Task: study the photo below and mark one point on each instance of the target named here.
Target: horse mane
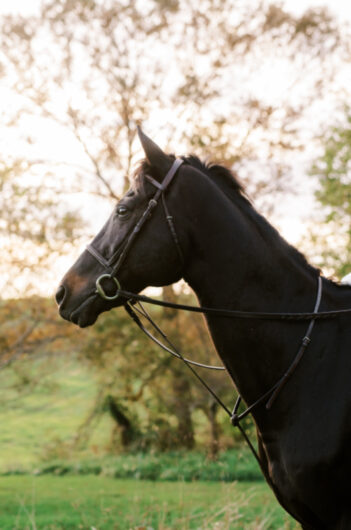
(225, 178)
(230, 185)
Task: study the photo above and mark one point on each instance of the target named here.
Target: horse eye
(122, 211)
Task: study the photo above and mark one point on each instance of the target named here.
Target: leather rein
(135, 309)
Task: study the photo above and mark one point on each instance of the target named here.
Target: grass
(172, 466)
(37, 429)
(102, 503)
(177, 491)
(35, 422)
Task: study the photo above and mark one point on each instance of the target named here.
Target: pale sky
(341, 7)
(291, 220)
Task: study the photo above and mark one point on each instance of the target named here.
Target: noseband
(114, 263)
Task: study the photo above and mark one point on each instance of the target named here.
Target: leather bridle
(115, 262)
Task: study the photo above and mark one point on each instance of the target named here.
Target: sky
(291, 217)
(341, 7)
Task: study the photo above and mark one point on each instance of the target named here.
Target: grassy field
(175, 466)
(50, 485)
(36, 420)
(101, 503)
(39, 424)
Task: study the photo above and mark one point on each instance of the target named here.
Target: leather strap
(162, 186)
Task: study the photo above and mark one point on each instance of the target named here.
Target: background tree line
(82, 74)
(151, 398)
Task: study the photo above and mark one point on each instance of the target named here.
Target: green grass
(36, 421)
(171, 466)
(102, 503)
(81, 488)
(38, 428)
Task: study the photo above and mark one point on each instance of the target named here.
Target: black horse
(233, 258)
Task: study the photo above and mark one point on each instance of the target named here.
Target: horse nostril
(60, 294)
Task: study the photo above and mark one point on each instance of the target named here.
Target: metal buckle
(100, 290)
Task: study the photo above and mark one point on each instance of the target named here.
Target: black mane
(229, 183)
(226, 179)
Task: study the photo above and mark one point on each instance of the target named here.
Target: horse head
(121, 256)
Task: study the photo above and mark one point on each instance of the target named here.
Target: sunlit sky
(291, 219)
(341, 7)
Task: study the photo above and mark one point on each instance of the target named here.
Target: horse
(201, 226)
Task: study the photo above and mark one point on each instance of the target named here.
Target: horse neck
(240, 262)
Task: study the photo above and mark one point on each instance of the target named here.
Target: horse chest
(310, 475)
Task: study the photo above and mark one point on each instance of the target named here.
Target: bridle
(115, 262)
(135, 309)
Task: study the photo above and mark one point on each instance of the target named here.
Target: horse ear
(154, 154)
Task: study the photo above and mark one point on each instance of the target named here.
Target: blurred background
(261, 86)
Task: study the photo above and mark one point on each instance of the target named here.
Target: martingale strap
(267, 398)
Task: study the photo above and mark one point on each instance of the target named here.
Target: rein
(269, 397)
(134, 308)
(233, 313)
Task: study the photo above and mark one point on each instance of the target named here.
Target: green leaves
(333, 170)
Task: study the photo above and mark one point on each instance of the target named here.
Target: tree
(87, 72)
(90, 70)
(34, 226)
(333, 169)
(110, 65)
(30, 330)
(151, 396)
